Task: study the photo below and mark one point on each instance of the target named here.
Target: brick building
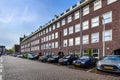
(89, 27)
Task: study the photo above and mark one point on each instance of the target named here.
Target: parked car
(109, 63)
(85, 61)
(68, 59)
(54, 58)
(44, 58)
(33, 56)
(20, 55)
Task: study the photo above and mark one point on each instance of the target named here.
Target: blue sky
(19, 17)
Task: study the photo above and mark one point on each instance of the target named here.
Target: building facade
(2, 49)
(89, 27)
(16, 48)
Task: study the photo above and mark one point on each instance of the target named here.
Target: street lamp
(81, 53)
(103, 22)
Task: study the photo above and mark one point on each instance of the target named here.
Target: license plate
(108, 67)
(77, 64)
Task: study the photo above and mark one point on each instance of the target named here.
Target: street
(22, 69)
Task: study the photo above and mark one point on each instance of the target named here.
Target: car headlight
(74, 61)
(98, 63)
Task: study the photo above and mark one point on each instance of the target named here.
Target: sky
(21, 17)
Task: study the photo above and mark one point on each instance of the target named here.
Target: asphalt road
(23, 69)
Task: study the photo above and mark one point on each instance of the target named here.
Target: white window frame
(58, 24)
(56, 35)
(71, 42)
(77, 41)
(71, 30)
(107, 17)
(65, 43)
(95, 21)
(86, 10)
(107, 36)
(69, 19)
(56, 44)
(63, 22)
(53, 36)
(97, 4)
(85, 25)
(65, 32)
(95, 37)
(50, 29)
(86, 39)
(76, 15)
(111, 1)
(53, 27)
(77, 27)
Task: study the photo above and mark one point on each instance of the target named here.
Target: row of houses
(89, 27)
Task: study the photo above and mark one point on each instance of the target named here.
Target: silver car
(109, 63)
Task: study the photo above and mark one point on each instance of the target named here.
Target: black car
(54, 58)
(68, 59)
(85, 61)
(45, 58)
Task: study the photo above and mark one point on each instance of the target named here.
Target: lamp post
(103, 22)
(81, 53)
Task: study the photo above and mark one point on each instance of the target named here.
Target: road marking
(0, 77)
(90, 70)
(0, 70)
(1, 59)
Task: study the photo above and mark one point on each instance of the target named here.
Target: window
(95, 22)
(65, 43)
(77, 27)
(85, 25)
(56, 44)
(85, 39)
(63, 22)
(71, 30)
(76, 15)
(95, 37)
(86, 10)
(46, 38)
(49, 29)
(77, 41)
(110, 1)
(56, 35)
(107, 35)
(69, 19)
(65, 32)
(95, 53)
(107, 17)
(49, 37)
(58, 24)
(97, 4)
(43, 31)
(71, 42)
(53, 36)
(54, 27)
(52, 44)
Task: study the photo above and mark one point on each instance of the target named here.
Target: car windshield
(55, 56)
(117, 58)
(84, 57)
